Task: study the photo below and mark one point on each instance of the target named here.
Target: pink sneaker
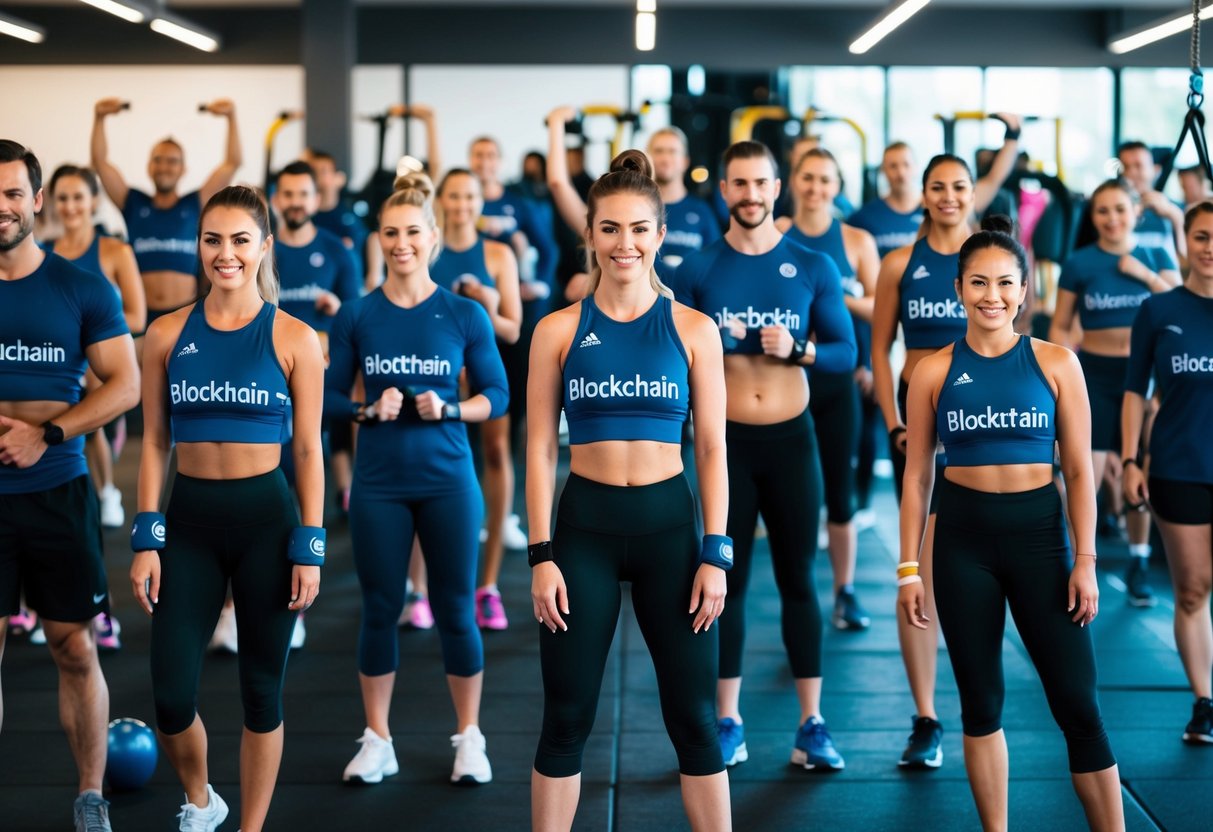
(490, 614)
(107, 630)
(23, 622)
(417, 612)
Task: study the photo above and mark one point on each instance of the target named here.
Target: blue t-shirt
(1173, 338)
(414, 350)
(42, 356)
(892, 229)
(164, 239)
(690, 226)
(323, 265)
(1107, 298)
(452, 266)
(1156, 232)
(787, 286)
(931, 316)
(343, 222)
(500, 218)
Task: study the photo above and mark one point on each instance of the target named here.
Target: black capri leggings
(834, 404)
(221, 530)
(644, 534)
(899, 459)
(995, 549)
(773, 470)
(1105, 377)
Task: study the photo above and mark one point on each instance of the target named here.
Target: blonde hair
(416, 189)
(631, 173)
(250, 201)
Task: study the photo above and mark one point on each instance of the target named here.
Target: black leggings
(995, 549)
(644, 534)
(899, 459)
(773, 470)
(834, 404)
(221, 530)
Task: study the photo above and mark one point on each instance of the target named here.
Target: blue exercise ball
(132, 754)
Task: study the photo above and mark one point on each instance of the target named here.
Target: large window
(918, 94)
(1154, 103)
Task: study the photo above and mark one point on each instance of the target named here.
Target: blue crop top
(931, 316)
(164, 239)
(227, 386)
(892, 229)
(1107, 298)
(323, 265)
(996, 411)
(626, 380)
(452, 266)
(90, 260)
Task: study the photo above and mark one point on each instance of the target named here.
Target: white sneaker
(374, 761)
(865, 519)
(513, 536)
(299, 634)
(207, 819)
(112, 514)
(37, 635)
(224, 637)
(471, 763)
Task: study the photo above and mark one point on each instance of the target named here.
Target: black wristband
(799, 347)
(451, 411)
(538, 553)
(1011, 135)
(1129, 460)
(358, 412)
(896, 430)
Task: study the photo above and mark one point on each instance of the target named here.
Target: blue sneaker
(814, 749)
(732, 741)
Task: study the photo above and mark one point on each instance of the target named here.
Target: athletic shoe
(91, 812)
(1199, 730)
(814, 749)
(37, 635)
(849, 614)
(732, 741)
(299, 634)
(865, 519)
(471, 763)
(512, 535)
(416, 614)
(112, 514)
(206, 819)
(924, 748)
(374, 761)
(1137, 583)
(24, 621)
(223, 640)
(490, 613)
(107, 629)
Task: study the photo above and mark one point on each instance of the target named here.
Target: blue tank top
(996, 411)
(892, 229)
(42, 356)
(931, 316)
(787, 286)
(1173, 338)
(1155, 232)
(690, 226)
(90, 260)
(451, 266)
(323, 265)
(227, 386)
(626, 380)
(164, 239)
(1107, 298)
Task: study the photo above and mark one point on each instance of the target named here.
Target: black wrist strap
(538, 553)
(799, 347)
(1130, 460)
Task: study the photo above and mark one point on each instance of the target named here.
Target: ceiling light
(20, 29)
(1151, 32)
(646, 31)
(890, 20)
(184, 31)
(130, 12)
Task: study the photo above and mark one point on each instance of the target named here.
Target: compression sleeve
(830, 321)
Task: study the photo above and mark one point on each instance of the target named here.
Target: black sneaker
(924, 748)
(1199, 730)
(849, 614)
(1137, 583)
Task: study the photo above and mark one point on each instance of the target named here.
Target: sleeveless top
(931, 316)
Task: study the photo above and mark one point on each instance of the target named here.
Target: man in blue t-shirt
(894, 218)
(56, 321)
(335, 214)
(690, 222)
(1161, 223)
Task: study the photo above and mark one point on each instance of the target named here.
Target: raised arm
(1004, 162)
(222, 176)
(115, 186)
(425, 114)
(568, 203)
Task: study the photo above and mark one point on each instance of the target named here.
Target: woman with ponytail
(218, 377)
(626, 364)
(410, 339)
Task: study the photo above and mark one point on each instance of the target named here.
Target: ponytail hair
(631, 173)
(252, 202)
(413, 187)
(997, 231)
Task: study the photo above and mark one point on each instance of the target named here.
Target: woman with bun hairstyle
(221, 378)
(626, 467)
(1000, 402)
(410, 339)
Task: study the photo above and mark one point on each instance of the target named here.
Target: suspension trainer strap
(1194, 122)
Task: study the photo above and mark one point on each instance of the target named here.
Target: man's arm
(222, 176)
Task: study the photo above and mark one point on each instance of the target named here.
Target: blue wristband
(307, 546)
(147, 532)
(718, 551)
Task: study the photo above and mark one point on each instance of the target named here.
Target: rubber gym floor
(630, 777)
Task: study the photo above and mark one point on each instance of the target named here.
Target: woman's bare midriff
(1113, 343)
(166, 290)
(1001, 479)
(226, 460)
(635, 462)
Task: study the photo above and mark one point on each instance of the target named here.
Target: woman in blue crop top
(1173, 341)
(998, 400)
(1101, 288)
(222, 371)
(625, 363)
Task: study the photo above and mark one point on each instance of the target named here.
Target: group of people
(760, 353)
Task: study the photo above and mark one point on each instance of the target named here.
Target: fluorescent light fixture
(1151, 32)
(130, 12)
(184, 31)
(646, 31)
(649, 6)
(890, 20)
(20, 29)
(697, 79)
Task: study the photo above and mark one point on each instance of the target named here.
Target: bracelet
(538, 553)
(1092, 556)
(147, 532)
(799, 347)
(1130, 460)
(306, 546)
(717, 550)
(909, 567)
(909, 579)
